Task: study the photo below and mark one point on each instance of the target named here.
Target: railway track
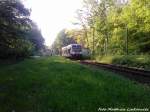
(139, 75)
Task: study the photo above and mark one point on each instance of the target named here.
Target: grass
(138, 61)
(56, 84)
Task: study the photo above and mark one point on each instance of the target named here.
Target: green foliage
(136, 16)
(19, 36)
(59, 85)
(133, 61)
(120, 27)
(63, 39)
(17, 48)
(138, 61)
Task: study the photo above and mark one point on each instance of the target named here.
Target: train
(75, 51)
(72, 51)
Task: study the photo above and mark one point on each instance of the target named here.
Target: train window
(76, 48)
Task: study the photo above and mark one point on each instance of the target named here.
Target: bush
(16, 49)
(138, 61)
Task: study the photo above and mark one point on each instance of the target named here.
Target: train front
(76, 51)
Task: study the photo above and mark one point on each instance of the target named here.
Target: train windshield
(76, 48)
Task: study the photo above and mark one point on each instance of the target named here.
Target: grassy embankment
(137, 61)
(55, 84)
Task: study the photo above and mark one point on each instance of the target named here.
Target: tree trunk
(93, 41)
(127, 52)
(86, 37)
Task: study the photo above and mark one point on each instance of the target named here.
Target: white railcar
(72, 51)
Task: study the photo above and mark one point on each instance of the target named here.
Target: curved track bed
(138, 75)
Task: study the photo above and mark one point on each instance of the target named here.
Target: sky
(53, 15)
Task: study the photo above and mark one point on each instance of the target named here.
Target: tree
(62, 39)
(19, 35)
(116, 26)
(95, 13)
(137, 17)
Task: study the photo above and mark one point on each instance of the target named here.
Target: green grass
(138, 61)
(55, 84)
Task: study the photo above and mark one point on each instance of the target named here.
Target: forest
(20, 37)
(118, 30)
(111, 27)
